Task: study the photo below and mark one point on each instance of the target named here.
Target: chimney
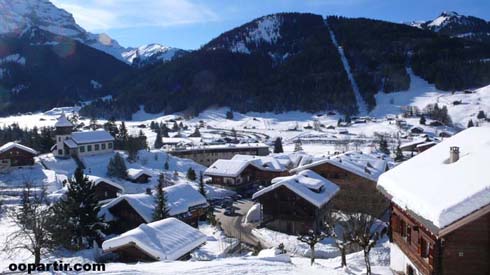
(148, 191)
(453, 154)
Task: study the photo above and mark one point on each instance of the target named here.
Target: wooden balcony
(422, 264)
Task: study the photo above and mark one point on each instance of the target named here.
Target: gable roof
(440, 193)
(233, 167)
(10, 145)
(180, 198)
(91, 137)
(134, 173)
(96, 180)
(307, 184)
(368, 166)
(168, 239)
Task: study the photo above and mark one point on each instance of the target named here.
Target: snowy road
(232, 224)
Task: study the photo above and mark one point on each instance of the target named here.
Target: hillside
(289, 61)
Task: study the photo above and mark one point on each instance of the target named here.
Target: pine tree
(422, 120)
(202, 190)
(196, 133)
(164, 130)
(122, 137)
(117, 167)
(278, 145)
(383, 146)
(481, 115)
(470, 124)
(158, 140)
(229, 115)
(191, 174)
(398, 154)
(161, 209)
(76, 223)
(166, 166)
(175, 128)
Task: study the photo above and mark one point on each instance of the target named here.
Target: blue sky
(188, 24)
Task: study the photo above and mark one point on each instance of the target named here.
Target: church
(69, 143)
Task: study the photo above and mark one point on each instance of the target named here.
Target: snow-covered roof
(438, 191)
(10, 145)
(70, 143)
(365, 165)
(63, 122)
(168, 239)
(307, 184)
(96, 180)
(134, 173)
(180, 198)
(234, 166)
(91, 137)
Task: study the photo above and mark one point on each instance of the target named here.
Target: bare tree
(362, 230)
(32, 220)
(312, 237)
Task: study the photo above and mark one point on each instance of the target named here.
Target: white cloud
(97, 15)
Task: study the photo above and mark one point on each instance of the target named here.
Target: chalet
(105, 189)
(138, 175)
(418, 144)
(440, 210)
(295, 204)
(165, 240)
(13, 154)
(243, 171)
(356, 174)
(69, 143)
(207, 155)
(130, 210)
(445, 134)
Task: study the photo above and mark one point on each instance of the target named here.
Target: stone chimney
(453, 154)
(148, 191)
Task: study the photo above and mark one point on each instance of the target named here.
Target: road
(232, 224)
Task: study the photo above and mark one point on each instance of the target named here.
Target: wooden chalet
(440, 210)
(105, 189)
(356, 174)
(13, 154)
(295, 204)
(130, 210)
(138, 175)
(164, 240)
(243, 171)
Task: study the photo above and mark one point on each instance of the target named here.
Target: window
(96, 147)
(403, 228)
(82, 149)
(59, 138)
(424, 248)
(89, 148)
(60, 152)
(409, 233)
(103, 146)
(109, 145)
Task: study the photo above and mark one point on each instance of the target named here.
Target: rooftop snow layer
(365, 165)
(234, 166)
(96, 180)
(168, 239)
(91, 137)
(180, 198)
(134, 173)
(10, 145)
(304, 183)
(63, 122)
(439, 191)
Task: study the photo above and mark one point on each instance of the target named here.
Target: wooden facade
(104, 191)
(251, 175)
(357, 194)
(287, 212)
(464, 250)
(143, 178)
(16, 157)
(207, 156)
(132, 253)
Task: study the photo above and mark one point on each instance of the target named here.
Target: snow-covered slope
(151, 53)
(19, 15)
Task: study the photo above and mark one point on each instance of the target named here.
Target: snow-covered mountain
(19, 15)
(151, 53)
(456, 25)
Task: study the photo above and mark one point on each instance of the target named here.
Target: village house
(356, 174)
(440, 210)
(69, 143)
(207, 155)
(419, 144)
(105, 189)
(130, 210)
(296, 204)
(243, 171)
(138, 175)
(164, 240)
(13, 154)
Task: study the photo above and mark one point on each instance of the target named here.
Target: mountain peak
(449, 14)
